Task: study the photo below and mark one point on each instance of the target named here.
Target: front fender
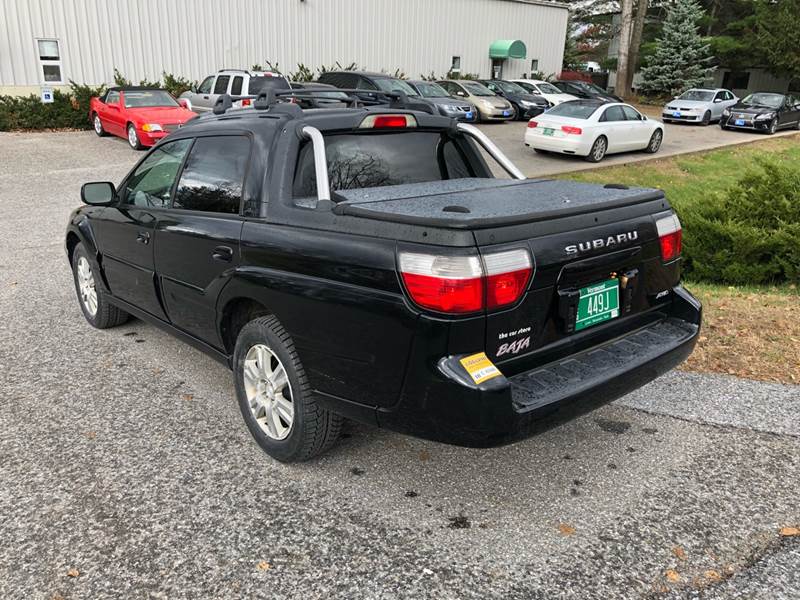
(80, 230)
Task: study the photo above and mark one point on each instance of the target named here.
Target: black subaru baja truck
(364, 263)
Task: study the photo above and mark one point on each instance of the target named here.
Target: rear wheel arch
(236, 313)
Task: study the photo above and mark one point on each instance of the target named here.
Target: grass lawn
(751, 332)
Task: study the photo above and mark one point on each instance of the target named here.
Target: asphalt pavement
(126, 470)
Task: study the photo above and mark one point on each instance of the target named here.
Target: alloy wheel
(655, 141)
(269, 393)
(98, 126)
(133, 140)
(599, 149)
(86, 286)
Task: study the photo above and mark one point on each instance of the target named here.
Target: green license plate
(597, 303)
(548, 131)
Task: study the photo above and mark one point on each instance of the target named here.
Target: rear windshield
(574, 110)
(368, 160)
(259, 84)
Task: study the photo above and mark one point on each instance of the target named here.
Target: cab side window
(213, 177)
(221, 86)
(151, 183)
(205, 87)
(112, 98)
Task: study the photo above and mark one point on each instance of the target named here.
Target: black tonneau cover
(473, 203)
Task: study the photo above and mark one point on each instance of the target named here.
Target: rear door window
(379, 159)
(213, 177)
(236, 86)
(631, 114)
(261, 83)
(613, 113)
(221, 86)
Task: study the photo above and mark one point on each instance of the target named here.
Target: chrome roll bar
(320, 162)
(495, 152)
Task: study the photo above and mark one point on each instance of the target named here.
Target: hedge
(69, 110)
(749, 234)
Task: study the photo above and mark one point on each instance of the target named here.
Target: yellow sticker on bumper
(479, 367)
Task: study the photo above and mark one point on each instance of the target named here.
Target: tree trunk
(626, 12)
(636, 41)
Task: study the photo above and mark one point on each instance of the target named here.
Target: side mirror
(717, 100)
(643, 117)
(462, 94)
(193, 88)
(184, 103)
(98, 193)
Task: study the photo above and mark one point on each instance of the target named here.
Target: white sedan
(592, 129)
(546, 90)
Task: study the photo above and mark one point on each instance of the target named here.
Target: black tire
(106, 315)
(313, 428)
(773, 126)
(516, 116)
(654, 144)
(706, 119)
(540, 151)
(598, 151)
(133, 138)
(97, 125)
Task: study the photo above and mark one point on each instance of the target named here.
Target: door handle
(205, 97)
(143, 237)
(222, 253)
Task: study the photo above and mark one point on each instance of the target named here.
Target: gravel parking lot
(679, 138)
(126, 470)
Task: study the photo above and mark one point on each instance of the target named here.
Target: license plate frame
(468, 115)
(506, 113)
(676, 114)
(739, 122)
(597, 303)
(549, 131)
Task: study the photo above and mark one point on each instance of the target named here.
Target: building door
(497, 68)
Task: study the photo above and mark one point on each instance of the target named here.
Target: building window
(50, 61)
(455, 64)
(736, 80)
(535, 65)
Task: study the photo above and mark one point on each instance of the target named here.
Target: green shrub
(749, 234)
(69, 110)
(176, 85)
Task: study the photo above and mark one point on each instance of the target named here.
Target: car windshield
(148, 98)
(388, 84)
(590, 87)
(432, 90)
(509, 88)
(697, 96)
(761, 99)
(478, 89)
(574, 110)
(548, 88)
(259, 84)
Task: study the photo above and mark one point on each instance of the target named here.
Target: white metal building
(49, 42)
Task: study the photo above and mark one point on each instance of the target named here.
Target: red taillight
(465, 284)
(507, 277)
(670, 236)
(246, 102)
(532, 124)
(571, 130)
(388, 122)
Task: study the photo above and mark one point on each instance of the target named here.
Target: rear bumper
(573, 144)
(447, 406)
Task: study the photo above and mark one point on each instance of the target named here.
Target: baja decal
(479, 367)
(514, 347)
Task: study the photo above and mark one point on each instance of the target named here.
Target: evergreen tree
(682, 58)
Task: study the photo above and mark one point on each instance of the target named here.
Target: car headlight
(726, 112)
(149, 127)
(487, 104)
(449, 108)
(527, 103)
(766, 117)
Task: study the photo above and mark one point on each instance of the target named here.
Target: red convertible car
(141, 115)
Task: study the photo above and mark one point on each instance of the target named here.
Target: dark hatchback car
(763, 111)
(375, 85)
(525, 105)
(586, 91)
(446, 104)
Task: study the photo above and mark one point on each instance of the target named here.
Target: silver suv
(235, 82)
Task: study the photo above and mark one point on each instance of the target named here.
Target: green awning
(507, 49)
